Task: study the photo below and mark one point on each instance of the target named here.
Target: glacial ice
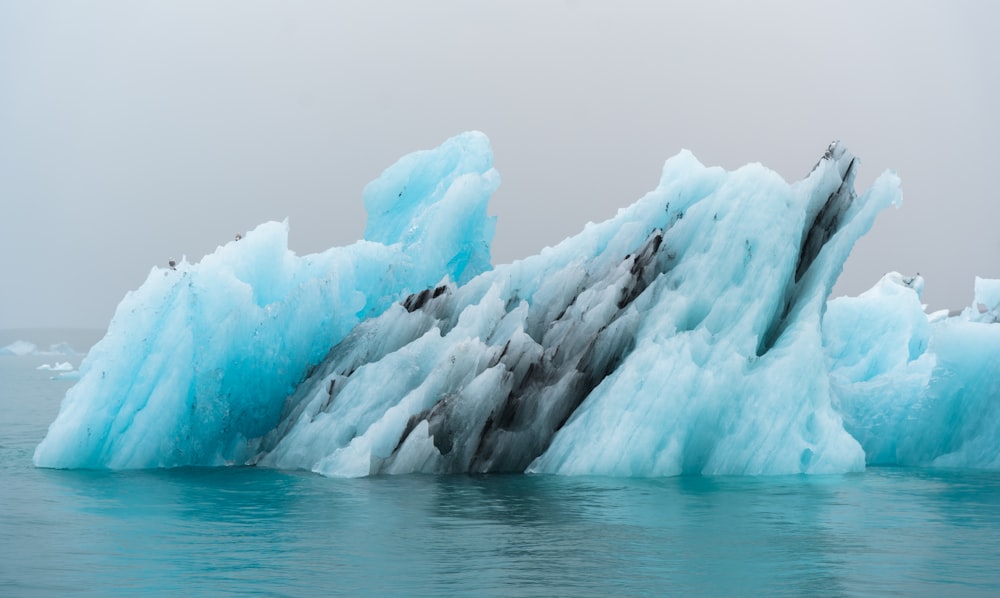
(198, 361)
(690, 333)
(59, 366)
(21, 348)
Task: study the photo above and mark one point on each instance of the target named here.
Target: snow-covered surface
(690, 333)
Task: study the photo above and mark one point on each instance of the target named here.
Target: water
(244, 531)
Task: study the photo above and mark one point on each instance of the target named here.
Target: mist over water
(240, 531)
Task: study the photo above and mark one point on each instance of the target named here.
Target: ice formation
(60, 366)
(691, 333)
(21, 348)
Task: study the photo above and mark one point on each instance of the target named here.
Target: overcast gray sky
(132, 132)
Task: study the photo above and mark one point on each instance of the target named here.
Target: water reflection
(252, 531)
(211, 530)
(297, 533)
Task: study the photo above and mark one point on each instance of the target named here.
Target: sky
(136, 132)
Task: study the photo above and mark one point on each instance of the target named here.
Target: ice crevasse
(690, 333)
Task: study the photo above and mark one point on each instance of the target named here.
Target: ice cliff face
(688, 334)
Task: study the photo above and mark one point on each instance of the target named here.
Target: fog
(132, 133)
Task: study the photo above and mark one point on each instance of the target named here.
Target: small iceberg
(19, 348)
(68, 375)
(62, 366)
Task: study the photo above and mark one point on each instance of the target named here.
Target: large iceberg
(691, 333)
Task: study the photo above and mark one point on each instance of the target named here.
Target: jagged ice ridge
(691, 333)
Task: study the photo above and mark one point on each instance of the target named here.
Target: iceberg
(20, 348)
(917, 389)
(64, 370)
(62, 348)
(60, 366)
(689, 334)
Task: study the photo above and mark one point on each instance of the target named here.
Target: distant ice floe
(64, 369)
(70, 375)
(21, 348)
(60, 366)
(986, 306)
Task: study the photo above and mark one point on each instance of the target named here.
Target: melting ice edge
(691, 333)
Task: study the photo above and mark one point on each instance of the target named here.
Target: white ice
(18, 348)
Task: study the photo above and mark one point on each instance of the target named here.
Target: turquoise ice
(199, 360)
(691, 333)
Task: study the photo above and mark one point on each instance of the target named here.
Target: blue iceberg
(691, 333)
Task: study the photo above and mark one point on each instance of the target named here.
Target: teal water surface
(247, 531)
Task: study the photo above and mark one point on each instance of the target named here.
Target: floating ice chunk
(19, 348)
(986, 306)
(70, 375)
(62, 366)
(915, 389)
(22, 347)
(62, 348)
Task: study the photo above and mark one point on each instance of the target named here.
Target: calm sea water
(245, 531)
